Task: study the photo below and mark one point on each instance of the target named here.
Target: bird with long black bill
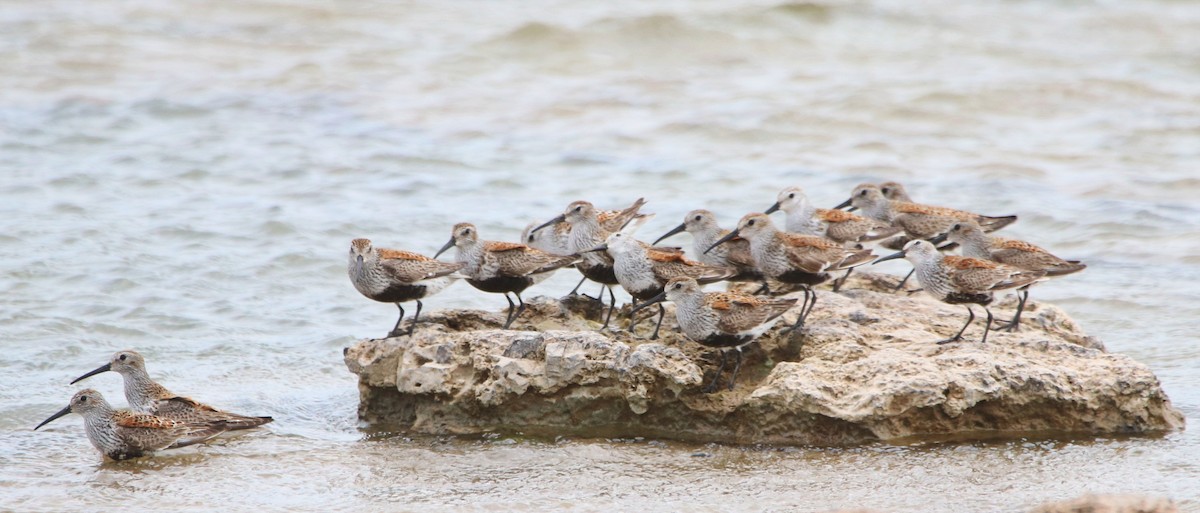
(976, 243)
(501, 267)
(960, 280)
(702, 225)
(803, 260)
(147, 396)
(395, 276)
(804, 218)
(726, 321)
(122, 434)
(643, 270)
(589, 228)
(917, 220)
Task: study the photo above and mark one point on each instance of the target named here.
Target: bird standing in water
(121, 434)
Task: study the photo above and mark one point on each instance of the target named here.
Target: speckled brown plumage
(643, 270)
(122, 434)
(793, 258)
(894, 191)
(590, 227)
(1017, 253)
(702, 225)
(397, 276)
(501, 267)
(838, 225)
(147, 396)
(723, 320)
(962, 280)
(918, 221)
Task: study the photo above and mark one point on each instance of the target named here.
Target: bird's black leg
(837, 284)
(511, 306)
(662, 312)
(811, 305)
(413, 323)
(800, 319)
(519, 309)
(712, 386)
(987, 325)
(736, 366)
(611, 307)
(600, 296)
(1015, 323)
(577, 285)
(905, 280)
(958, 336)
(396, 329)
(633, 319)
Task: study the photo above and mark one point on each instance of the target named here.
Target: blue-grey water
(184, 178)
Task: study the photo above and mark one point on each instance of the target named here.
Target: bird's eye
(792, 195)
(123, 357)
(83, 399)
(697, 218)
(750, 223)
(863, 193)
(579, 208)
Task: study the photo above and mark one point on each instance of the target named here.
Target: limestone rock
(865, 368)
(1110, 504)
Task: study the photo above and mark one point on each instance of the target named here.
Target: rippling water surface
(183, 178)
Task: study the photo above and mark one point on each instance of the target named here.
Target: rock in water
(867, 368)
(1110, 504)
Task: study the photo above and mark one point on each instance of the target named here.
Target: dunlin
(837, 225)
(122, 434)
(1020, 254)
(918, 221)
(803, 260)
(894, 191)
(961, 280)
(702, 225)
(724, 320)
(147, 396)
(501, 267)
(588, 231)
(555, 239)
(643, 270)
(394, 276)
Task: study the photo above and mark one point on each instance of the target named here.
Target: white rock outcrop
(865, 368)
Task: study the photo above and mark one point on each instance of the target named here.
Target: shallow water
(183, 178)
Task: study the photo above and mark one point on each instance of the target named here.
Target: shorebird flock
(813, 243)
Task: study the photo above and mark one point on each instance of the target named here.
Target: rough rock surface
(1110, 504)
(865, 368)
